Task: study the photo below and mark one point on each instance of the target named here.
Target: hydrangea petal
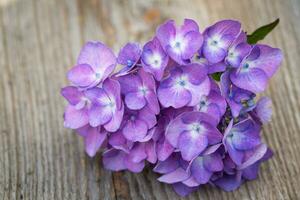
(93, 141)
(74, 118)
(175, 176)
(191, 145)
(114, 160)
(82, 75)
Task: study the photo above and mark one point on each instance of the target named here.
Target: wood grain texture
(40, 40)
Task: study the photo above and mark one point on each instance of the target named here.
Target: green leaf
(261, 32)
(216, 76)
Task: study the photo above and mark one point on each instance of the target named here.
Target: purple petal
(167, 165)
(263, 109)
(251, 172)
(217, 67)
(245, 135)
(129, 54)
(137, 153)
(213, 162)
(236, 155)
(164, 150)
(254, 80)
(199, 172)
(71, 94)
(99, 115)
(191, 182)
(129, 83)
(99, 57)
(114, 160)
(113, 90)
(115, 122)
(268, 59)
(93, 141)
(82, 75)
(191, 145)
(150, 148)
(152, 102)
(170, 97)
(147, 116)
(74, 118)
(197, 91)
(135, 130)
(256, 156)
(118, 141)
(175, 176)
(134, 101)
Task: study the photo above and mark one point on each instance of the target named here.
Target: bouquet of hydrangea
(183, 103)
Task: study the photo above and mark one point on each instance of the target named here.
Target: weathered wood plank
(40, 40)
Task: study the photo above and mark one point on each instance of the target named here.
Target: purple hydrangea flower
(128, 57)
(95, 63)
(257, 68)
(214, 104)
(136, 124)
(191, 133)
(184, 86)
(180, 43)
(96, 106)
(238, 99)
(238, 50)
(139, 91)
(232, 177)
(154, 59)
(218, 38)
(240, 138)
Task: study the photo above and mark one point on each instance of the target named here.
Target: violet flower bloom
(154, 59)
(128, 56)
(96, 106)
(139, 91)
(237, 98)
(234, 176)
(191, 133)
(94, 138)
(107, 108)
(218, 38)
(184, 86)
(240, 138)
(95, 63)
(136, 124)
(180, 43)
(214, 104)
(257, 68)
(238, 50)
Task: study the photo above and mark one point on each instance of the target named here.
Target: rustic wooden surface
(39, 42)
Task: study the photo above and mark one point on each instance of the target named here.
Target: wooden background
(39, 42)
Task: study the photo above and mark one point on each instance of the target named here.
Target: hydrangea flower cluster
(164, 108)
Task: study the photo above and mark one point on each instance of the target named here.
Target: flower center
(129, 63)
(143, 90)
(98, 75)
(177, 44)
(196, 128)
